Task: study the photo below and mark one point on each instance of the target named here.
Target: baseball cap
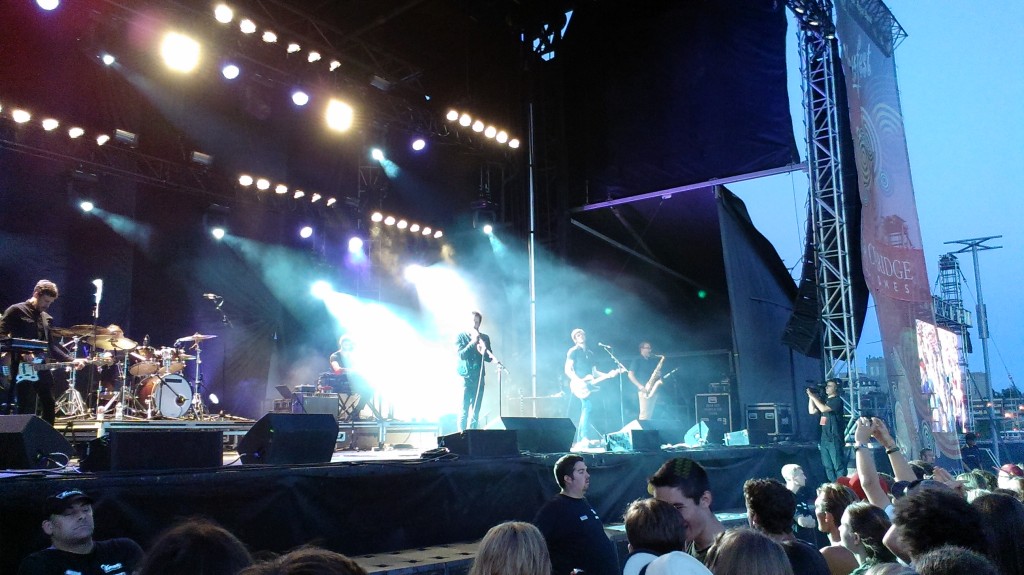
(1012, 470)
(676, 563)
(854, 484)
(901, 488)
(59, 502)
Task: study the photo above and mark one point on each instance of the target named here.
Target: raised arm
(900, 468)
(866, 469)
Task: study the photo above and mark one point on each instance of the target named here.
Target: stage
(365, 502)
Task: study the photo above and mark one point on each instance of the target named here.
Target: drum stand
(198, 408)
(70, 402)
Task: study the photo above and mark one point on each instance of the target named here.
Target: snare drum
(171, 395)
(145, 361)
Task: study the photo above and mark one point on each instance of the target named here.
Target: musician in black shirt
(29, 320)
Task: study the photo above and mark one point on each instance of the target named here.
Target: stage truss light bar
(478, 125)
(282, 189)
(404, 225)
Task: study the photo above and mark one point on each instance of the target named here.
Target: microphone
(604, 345)
(211, 296)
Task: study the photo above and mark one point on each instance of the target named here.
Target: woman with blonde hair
(745, 551)
(512, 548)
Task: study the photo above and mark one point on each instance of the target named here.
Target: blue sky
(961, 78)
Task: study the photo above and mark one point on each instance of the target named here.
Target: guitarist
(29, 320)
(642, 375)
(581, 370)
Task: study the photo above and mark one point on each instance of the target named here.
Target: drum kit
(145, 382)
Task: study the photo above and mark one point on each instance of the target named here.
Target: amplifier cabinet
(715, 411)
(769, 422)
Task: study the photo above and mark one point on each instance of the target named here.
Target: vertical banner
(893, 256)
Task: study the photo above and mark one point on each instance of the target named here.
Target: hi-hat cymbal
(80, 330)
(112, 343)
(195, 337)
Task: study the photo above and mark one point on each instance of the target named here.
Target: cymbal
(195, 337)
(184, 357)
(112, 343)
(80, 330)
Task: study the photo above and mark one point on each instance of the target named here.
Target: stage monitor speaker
(288, 438)
(27, 442)
(542, 434)
(671, 431)
(481, 443)
(153, 449)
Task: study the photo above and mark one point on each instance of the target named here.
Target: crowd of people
(917, 520)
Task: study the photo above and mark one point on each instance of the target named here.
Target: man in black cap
(69, 524)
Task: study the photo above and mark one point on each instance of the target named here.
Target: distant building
(875, 368)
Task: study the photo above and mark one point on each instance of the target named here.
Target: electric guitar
(583, 387)
(30, 371)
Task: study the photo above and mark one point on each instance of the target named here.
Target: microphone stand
(501, 367)
(622, 413)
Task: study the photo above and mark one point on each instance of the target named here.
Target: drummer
(110, 343)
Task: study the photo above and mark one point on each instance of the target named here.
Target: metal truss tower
(951, 314)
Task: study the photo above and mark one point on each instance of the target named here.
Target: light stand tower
(950, 314)
(974, 246)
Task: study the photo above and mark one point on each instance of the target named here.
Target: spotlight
(502, 137)
(180, 52)
(262, 184)
(418, 144)
(217, 233)
(513, 143)
(247, 26)
(414, 228)
(314, 198)
(202, 159)
(465, 120)
(215, 219)
(438, 234)
(452, 115)
(280, 189)
(108, 60)
(331, 201)
(402, 224)
(320, 289)
(298, 194)
(377, 217)
(245, 180)
(412, 272)
(377, 154)
(355, 245)
(490, 131)
(75, 132)
(87, 206)
(478, 126)
(50, 124)
(389, 221)
(230, 71)
(306, 232)
(20, 116)
(102, 139)
(335, 65)
(269, 37)
(223, 14)
(293, 48)
(426, 231)
(488, 229)
(339, 115)
(300, 98)
(313, 56)
(48, 4)
(127, 138)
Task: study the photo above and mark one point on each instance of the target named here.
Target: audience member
(930, 517)
(890, 569)
(195, 546)
(928, 455)
(952, 560)
(745, 551)
(572, 529)
(69, 524)
(970, 452)
(653, 528)
(306, 561)
(803, 520)
(512, 548)
(770, 508)
(832, 501)
(1004, 517)
(1006, 479)
(867, 474)
(862, 529)
(684, 484)
(676, 563)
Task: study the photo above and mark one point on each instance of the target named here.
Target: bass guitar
(583, 387)
(30, 371)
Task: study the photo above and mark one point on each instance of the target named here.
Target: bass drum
(171, 395)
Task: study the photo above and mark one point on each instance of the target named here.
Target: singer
(29, 320)
(474, 349)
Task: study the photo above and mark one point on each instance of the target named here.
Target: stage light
(298, 194)
(202, 159)
(608, 311)
(418, 144)
(247, 26)
(262, 184)
(245, 180)
(465, 120)
(314, 198)
(452, 115)
(269, 37)
(218, 233)
(377, 154)
(335, 65)
(313, 56)
(478, 126)
(502, 137)
(513, 143)
(702, 294)
(223, 13)
(488, 229)
(127, 138)
(402, 224)
(414, 228)
(355, 245)
(306, 232)
(331, 201)
(102, 139)
(377, 217)
(339, 115)
(180, 53)
(230, 71)
(490, 131)
(438, 234)
(320, 289)
(389, 221)
(426, 231)
(48, 4)
(280, 189)
(20, 116)
(75, 132)
(108, 60)
(86, 206)
(49, 124)
(293, 48)
(300, 98)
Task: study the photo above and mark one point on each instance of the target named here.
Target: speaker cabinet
(542, 434)
(156, 449)
(769, 422)
(481, 443)
(289, 438)
(715, 410)
(27, 442)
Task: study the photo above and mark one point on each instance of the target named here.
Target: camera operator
(833, 428)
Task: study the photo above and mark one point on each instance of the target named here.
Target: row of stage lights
(479, 126)
(50, 124)
(402, 224)
(226, 15)
(263, 184)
